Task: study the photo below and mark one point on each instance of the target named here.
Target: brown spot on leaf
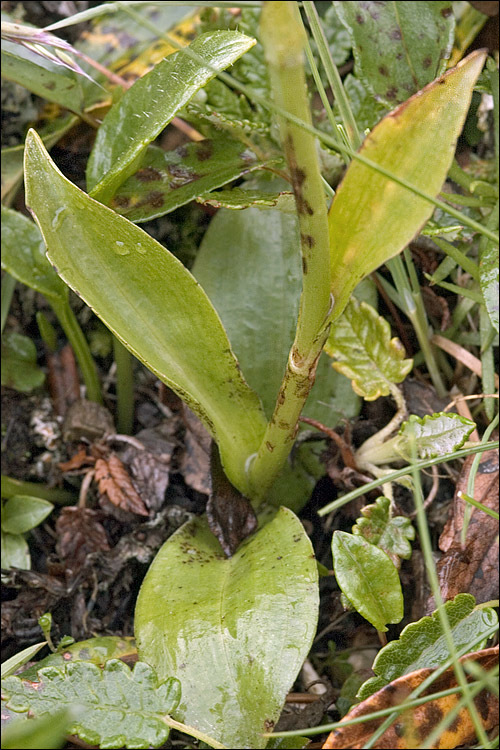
(49, 86)
(304, 265)
(155, 199)
(204, 150)
(395, 35)
(427, 62)
(120, 201)
(391, 94)
(148, 174)
(307, 240)
(383, 71)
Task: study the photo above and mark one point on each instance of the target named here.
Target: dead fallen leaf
(472, 569)
(79, 460)
(87, 420)
(79, 533)
(195, 461)
(115, 482)
(150, 468)
(414, 725)
(230, 515)
(62, 379)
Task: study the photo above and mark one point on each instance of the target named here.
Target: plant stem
(75, 336)
(124, 388)
(283, 37)
(8, 286)
(351, 127)
(12, 487)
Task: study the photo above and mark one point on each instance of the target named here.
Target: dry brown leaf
(414, 725)
(114, 481)
(230, 515)
(62, 379)
(195, 461)
(472, 569)
(81, 458)
(79, 533)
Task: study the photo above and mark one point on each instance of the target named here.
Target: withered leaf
(114, 481)
(79, 533)
(87, 420)
(472, 569)
(62, 379)
(230, 515)
(150, 468)
(414, 725)
(81, 458)
(195, 461)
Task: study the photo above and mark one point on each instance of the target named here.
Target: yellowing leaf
(372, 218)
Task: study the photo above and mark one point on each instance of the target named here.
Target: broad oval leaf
(167, 180)
(23, 255)
(122, 708)
(19, 368)
(372, 218)
(151, 303)
(399, 47)
(361, 343)
(368, 578)
(433, 435)
(151, 103)
(424, 644)
(15, 551)
(23, 512)
(234, 631)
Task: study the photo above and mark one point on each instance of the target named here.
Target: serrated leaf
(150, 104)
(167, 180)
(398, 47)
(151, 302)
(122, 708)
(23, 255)
(422, 644)
(390, 534)
(361, 343)
(23, 512)
(368, 578)
(235, 631)
(19, 368)
(488, 278)
(96, 650)
(372, 218)
(238, 199)
(433, 435)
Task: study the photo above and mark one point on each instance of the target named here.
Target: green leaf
(151, 303)
(23, 255)
(368, 578)
(367, 112)
(433, 435)
(22, 513)
(150, 104)
(234, 631)
(167, 180)
(390, 534)
(423, 644)
(96, 650)
(122, 708)
(488, 277)
(11, 665)
(373, 218)
(15, 552)
(360, 341)
(42, 77)
(287, 743)
(19, 368)
(46, 733)
(238, 198)
(398, 47)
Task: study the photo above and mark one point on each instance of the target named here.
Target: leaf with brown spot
(413, 725)
(230, 515)
(79, 533)
(114, 481)
(473, 568)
